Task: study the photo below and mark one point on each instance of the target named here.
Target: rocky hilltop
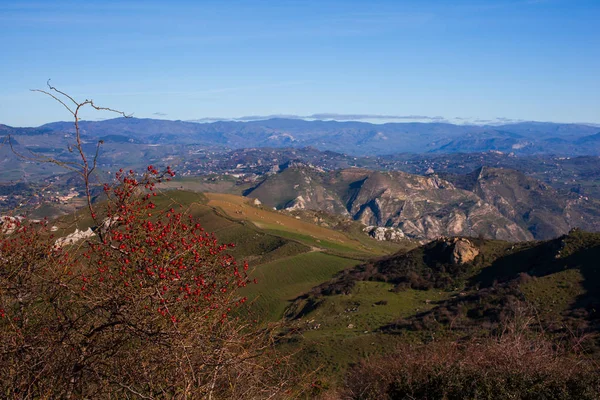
(490, 202)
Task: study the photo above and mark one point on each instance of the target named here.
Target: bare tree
(85, 167)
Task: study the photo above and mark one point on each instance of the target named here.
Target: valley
(300, 200)
(356, 255)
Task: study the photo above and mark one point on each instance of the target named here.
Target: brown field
(240, 208)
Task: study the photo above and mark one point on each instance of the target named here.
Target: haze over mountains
(351, 137)
(465, 190)
(377, 118)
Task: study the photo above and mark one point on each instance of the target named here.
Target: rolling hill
(288, 256)
(454, 288)
(490, 202)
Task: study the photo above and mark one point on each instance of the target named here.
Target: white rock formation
(384, 234)
(74, 237)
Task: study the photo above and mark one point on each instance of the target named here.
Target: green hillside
(281, 281)
(424, 294)
(287, 256)
(345, 297)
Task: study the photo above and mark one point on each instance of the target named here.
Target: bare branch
(55, 98)
(61, 92)
(100, 143)
(91, 103)
(84, 169)
(70, 165)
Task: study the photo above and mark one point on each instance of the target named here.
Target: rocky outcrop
(9, 224)
(297, 204)
(78, 235)
(74, 237)
(463, 251)
(385, 234)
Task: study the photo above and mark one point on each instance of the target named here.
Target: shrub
(147, 307)
(512, 367)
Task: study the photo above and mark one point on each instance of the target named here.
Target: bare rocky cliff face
(531, 204)
(495, 204)
(423, 207)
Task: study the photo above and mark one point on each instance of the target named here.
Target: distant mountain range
(350, 137)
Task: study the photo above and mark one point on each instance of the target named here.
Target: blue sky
(519, 59)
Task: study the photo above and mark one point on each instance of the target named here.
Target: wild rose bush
(148, 307)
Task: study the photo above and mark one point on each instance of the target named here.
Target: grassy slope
(338, 329)
(282, 252)
(296, 229)
(281, 281)
(342, 330)
(553, 295)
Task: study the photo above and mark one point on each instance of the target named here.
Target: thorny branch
(84, 169)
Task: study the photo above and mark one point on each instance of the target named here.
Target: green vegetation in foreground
(342, 329)
(553, 295)
(369, 306)
(281, 281)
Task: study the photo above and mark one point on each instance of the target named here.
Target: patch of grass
(288, 249)
(256, 246)
(577, 240)
(281, 281)
(369, 306)
(325, 245)
(343, 329)
(553, 295)
(331, 356)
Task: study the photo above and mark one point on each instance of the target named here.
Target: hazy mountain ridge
(352, 137)
(510, 206)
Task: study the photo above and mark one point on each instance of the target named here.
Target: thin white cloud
(371, 118)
